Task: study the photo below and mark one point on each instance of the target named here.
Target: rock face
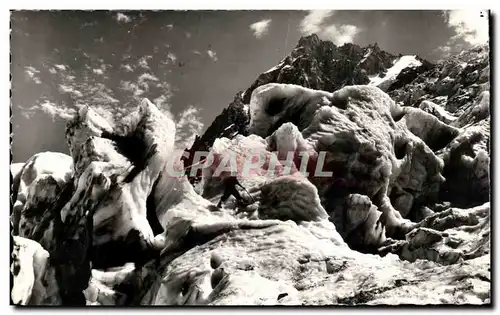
(355, 191)
(455, 83)
(320, 65)
(231, 122)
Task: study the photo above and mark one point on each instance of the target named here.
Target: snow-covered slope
(383, 81)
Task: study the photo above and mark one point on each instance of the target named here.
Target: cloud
(143, 80)
(143, 61)
(212, 55)
(55, 111)
(314, 23)
(70, 78)
(69, 90)
(260, 28)
(171, 57)
(340, 35)
(131, 87)
(162, 104)
(98, 71)
(147, 77)
(98, 94)
(60, 67)
(32, 72)
(314, 20)
(188, 125)
(150, 86)
(445, 51)
(127, 67)
(471, 26)
(120, 17)
(197, 52)
(87, 24)
(188, 35)
(103, 97)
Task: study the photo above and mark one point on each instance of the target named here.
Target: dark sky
(189, 63)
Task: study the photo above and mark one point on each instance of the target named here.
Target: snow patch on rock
(401, 63)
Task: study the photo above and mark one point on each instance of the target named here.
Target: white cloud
(188, 35)
(143, 81)
(120, 17)
(445, 51)
(147, 77)
(314, 20)
(32, 72)
(172, 57)
(98, 71)
(468, 25)
(127, 68)
(143, 61)
(188, 125)
(55, 111)
(260, 28)
(131, 87)
(340, 35)
(60, 67)
(212, 55)
(87, 24)
(103, 97)
(165, 86)
(162, 104)
(70, 90)
(314, 23)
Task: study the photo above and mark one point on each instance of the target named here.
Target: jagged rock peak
(310, 41)
(321, 65)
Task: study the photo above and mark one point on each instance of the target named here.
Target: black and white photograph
(202, 157)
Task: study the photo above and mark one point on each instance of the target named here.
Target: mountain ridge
(313, 63)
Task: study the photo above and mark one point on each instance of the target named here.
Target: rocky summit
(402, 216)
